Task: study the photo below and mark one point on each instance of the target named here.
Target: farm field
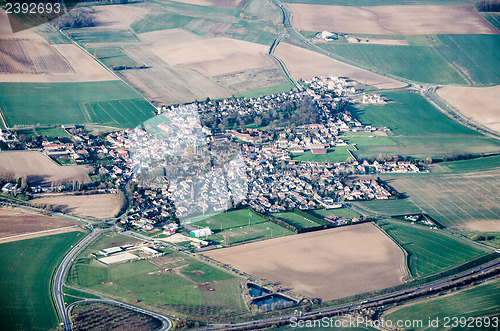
(16, 221)
(386, 207)
(264, 91)
(336, 154)
(234, 4)
(491, 239)
(100, 316)
(388, 20)
(296, 220)
(108, 103)
(252, 79)
(471, 165)
(304, 64)
(479, 301)
(27, 267)
(241, 226)
(454, 200)
(112, 57)
(428, 132)
(430, 251)
(493, 18)
(307, 263)
(99, 206)
(478, 104)
(39, 169)
(383, 2)
(189, 288)
(448, 59)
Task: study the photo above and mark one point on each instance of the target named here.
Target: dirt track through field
(390, 20)
(326, 264)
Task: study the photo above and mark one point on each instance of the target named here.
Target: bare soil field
(99, 206)
(326, 264)
(216, 56)
(39, 169)
(234, 4)
(15, 222)
(480, 104)
(117, 16)
(484, 226)
(390, 20)
(168, 37)
(305, 64)
(250, 79)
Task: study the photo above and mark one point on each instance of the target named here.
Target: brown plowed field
(15, 222)
(305, 64)
(216, 56)
(97, 205)
(390, 20)
(39, 169)
(326, 264)
(479, 104)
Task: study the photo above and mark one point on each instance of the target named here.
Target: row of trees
(76, 18)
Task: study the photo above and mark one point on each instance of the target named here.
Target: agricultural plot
(252, 79)
(187, 287)
(39, 169)
(450, 59)
(92, 36)
(296, 220)
(113, 57)
(478, 104)
(109, 103)
(15, 222)
(479, 301)
(239, 226)
(95, 316)
(386, 207)
(430, 251)
(336, 154)
(383, 2)
(427, 132)
(390, 20)
(27, 267)
(100, 206)
(325, 264)
(471, 165)
(234, 4)
(265, 91)
(304, 64)
(493, 18)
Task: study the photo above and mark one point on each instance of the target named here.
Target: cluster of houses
(366, 189)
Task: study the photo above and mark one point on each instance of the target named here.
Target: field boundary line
(406, 254)
(3, 120)
(38, 232)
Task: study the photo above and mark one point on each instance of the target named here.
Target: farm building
(111, 250)
(201, 232)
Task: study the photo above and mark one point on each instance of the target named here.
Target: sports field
(26, 269)
(419, 130)
(240, 226)
(468, 59)
(430, 251)
(479, 301)
(109, 103)
(173, 283)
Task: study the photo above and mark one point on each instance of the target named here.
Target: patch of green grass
(77, 293)
(493, 18)
(92, 35)
(372, 141)
(386, 207)
(227, 293)
(108, 103)
(27, 268)
(201, 273)
(336, 154)
(478, 301)
(265, 91)
(264, 10)
(487, 238)
(472, 165)
(296, 220)
(341, 212)
(430, 251)
(52, 35)
(231, 219)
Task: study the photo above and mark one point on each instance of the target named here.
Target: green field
(27, 268)
(487, 238)
(90, 36)
(265, 91)
(458, 59)
(430, 251)
(418, 128)
(183, 289)
(296, 220)
(479, 301)
(336, 154)
(493, 18)
(241, 226)
(341, 212)
(383, 2)
(112, 57)
(472, 165)
(386, 207)
(108, 103)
